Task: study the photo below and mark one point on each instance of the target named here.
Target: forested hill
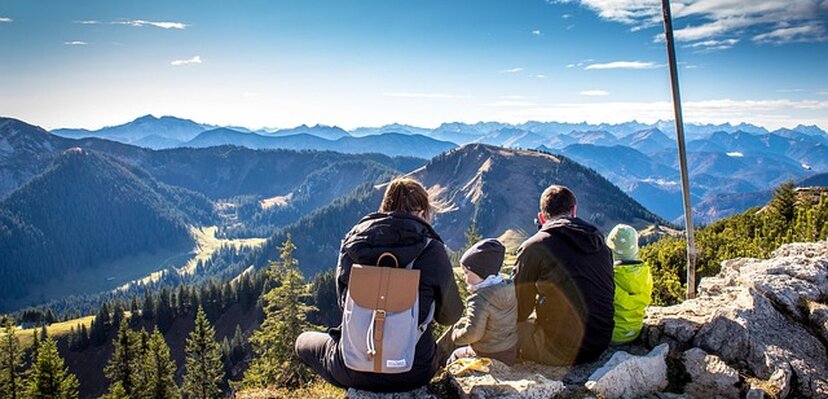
(217, 172)
(496, 188)
(85, 209)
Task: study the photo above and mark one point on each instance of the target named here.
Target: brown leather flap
(391, 289)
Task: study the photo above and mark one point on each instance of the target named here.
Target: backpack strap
(410, 265)
(429, 318)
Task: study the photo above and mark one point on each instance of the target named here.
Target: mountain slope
(86, 209)
(498, 188)
(25, 151)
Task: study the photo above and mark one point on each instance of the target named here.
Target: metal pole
(682, 151)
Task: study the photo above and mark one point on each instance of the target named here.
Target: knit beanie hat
(623, 242)
(484, 258)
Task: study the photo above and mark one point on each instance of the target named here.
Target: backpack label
(395, 363)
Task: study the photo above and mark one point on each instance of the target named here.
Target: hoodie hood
(402, 234)
(583, 235)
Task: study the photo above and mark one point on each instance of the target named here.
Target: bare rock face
(630, 376)
(765, 318)
(710, 376)
(506, 382)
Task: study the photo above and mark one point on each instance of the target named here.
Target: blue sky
(363, 63)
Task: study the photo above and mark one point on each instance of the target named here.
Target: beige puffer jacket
(490, 322)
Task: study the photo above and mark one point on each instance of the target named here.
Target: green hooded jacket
(633, 293)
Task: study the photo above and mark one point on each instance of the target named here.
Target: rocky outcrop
(630, 376)
(757, 329)
(761, 317)
(710, 377)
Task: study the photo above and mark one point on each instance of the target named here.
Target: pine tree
(49, 378)
(472, 235)
(158, 371)
(35, 346)
(148, 307)
(204, 370)
(116, 391)
(164, 313)
(125, 360)
(285, 318)
(784, 201)
(11, 362)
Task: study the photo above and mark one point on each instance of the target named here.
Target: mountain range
(251, 190)
(724, 158)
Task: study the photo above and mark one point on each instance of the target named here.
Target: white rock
(629, 376)
(504, 382)
(711, 377)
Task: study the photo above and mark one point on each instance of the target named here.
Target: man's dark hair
(556, 201)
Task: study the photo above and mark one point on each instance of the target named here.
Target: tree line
(788, 217)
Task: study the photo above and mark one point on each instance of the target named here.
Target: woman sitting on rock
(400, 228)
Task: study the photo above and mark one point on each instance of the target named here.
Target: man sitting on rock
(564, 286)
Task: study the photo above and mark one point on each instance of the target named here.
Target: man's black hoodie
(564, 273)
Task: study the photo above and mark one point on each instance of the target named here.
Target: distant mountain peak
(146, 118)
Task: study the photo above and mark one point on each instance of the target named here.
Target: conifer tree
(204, 371)
(158, 371)
(784, 201)
(116, 391)
(35, 346)
(48, 377)
(11, 362)
(285, 311)
(125, 361)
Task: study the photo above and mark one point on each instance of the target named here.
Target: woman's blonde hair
(407, 195)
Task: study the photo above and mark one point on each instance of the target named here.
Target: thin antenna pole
(682, 151)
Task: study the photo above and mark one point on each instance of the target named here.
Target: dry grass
(55, 330)
(316, 390)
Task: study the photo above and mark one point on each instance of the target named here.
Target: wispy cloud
(511, 70)
(190, 61)
(424, 95)
(566, 16)
(137, 23)
(162, 25)
(623, 65)
(537, 32)
(594, 93)
(6, 19)
(772, 21)
(713, 44)
(540, 76)
(580, 63)
(805, 33)
(76, 43)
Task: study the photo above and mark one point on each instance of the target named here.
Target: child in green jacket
(633, 284)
